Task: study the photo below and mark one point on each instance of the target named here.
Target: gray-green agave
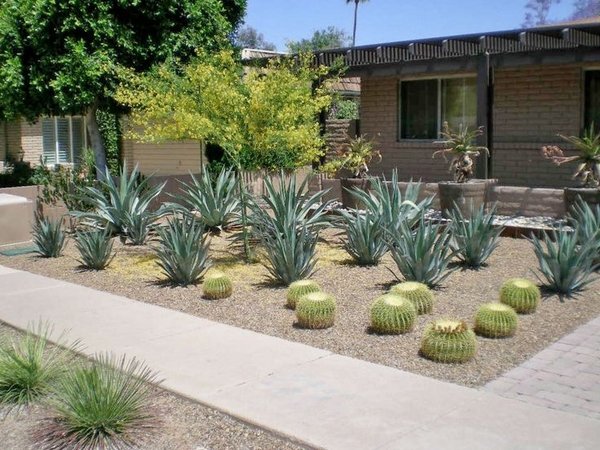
(586, 220)
(95, 249)
(48, 237)
(365, 236)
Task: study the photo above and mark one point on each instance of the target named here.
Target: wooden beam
(580, 38)
(541, 41)
(420, 50)
(461, 47)
(496, 44)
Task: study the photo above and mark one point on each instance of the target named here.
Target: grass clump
(48, 237)
(392, 314)
(216, 285)
(315, 310)
(100, 405)
(95, 249)
(418, 293)
(520, 294)
(448, 341)
(298, 289)
(496, 320)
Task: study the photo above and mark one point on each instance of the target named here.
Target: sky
(388, 20)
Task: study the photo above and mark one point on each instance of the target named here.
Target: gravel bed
(183, 424)
(258, 305)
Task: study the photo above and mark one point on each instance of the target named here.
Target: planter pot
(468, 197)
(348, 200)
(591, 196)
(335, 190)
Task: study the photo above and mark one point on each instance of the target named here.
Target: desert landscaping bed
(183, 424)
(258, 305)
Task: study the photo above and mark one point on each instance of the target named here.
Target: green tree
(64, 57)
(356, 3)
(330, 37)
(249, 37)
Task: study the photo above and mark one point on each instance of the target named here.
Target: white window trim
(71, 162)
(439, 103)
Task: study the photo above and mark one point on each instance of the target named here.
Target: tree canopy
(249, 37)
(64, 57)
(537, 11)
(330, 37)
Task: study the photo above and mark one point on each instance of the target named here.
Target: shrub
(48, 237)
(496, 320)
(123, 205)
(95, 249)
(448, 341)
(315, 310)
(392, 314)
(365, 237)
(566, 265)
(418, 294)
(216, 201)
(344, 109)
(475, 238)
(29, 367)
(520, 294)
(421, 254)
(183, 251)
(298, 289)
(216, 285)
(103, 404)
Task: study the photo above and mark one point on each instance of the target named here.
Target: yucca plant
(586, 220)
(104, 404)
(565, 264)
(29, 366)
(474, 238)
(95, 249)
(421, 254)
(48, 237)
(385, 200)
(183, 251)
(124, 204)
(365, 236)
(216, 201)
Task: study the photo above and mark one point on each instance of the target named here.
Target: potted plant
(464, 192)
(352, 165)
(588, 166)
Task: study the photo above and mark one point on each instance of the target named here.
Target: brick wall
(532, 105)
(2, 143)
(31, 141)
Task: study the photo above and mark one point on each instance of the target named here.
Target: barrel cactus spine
(496, 320)
(520, 294)
(392, 314)
(448, 341)
(216, 285)
(315, 310)
(298, 289)
(418, 293)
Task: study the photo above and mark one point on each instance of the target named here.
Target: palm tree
(356, 2)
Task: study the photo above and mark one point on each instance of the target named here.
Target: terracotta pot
(591, 196)
(468, 197)
(348, 200)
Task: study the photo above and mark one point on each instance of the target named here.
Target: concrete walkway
(320, 398)
(564, 376)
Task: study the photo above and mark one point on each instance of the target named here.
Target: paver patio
(320, 398)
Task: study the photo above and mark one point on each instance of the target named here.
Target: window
(64, 139)
(426, 104)
(592, 99)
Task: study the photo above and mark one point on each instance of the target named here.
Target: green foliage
(216, 285)
(48, 237)
(110, 130)
(496, 320)
(123, 204)
(216, 201)
(298, 289)
(330, 37)
(356, 158)
(183, 251)
(29, 367)
(474, 238)
(344, 109)
(101, 404)
(520, 294)
(365, 236)
(422, 254)
(315, 310)
(418, 293)
(392, 314)
(448, 341)
(264, 119)
(16, 173)
(566, 265)
(95, 249)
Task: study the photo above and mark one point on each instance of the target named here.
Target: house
(523, 86)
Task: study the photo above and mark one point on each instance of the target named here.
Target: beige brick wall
(168, 158)
(532, 104)
(13, 138)
(31, 141)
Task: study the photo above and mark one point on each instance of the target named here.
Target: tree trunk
(355, 17)
(96, 141)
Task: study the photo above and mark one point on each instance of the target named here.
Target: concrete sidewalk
(317, 397)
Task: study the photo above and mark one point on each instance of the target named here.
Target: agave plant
(104, 404)
(474, 238)
(422, 254)
(588, 159)
(122, 205)
(586, 220)
(95, 249)
(183, 251)
(385, 200)
(216, 201)
(365, 236)
(48, 237)
(565, 263)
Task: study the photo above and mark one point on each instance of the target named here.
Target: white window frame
(56, 142)
(439, 103)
